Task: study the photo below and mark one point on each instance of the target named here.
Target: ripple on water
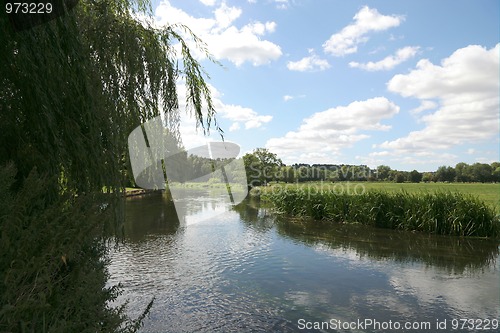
(239, 272)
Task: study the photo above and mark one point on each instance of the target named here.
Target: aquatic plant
(443, 213)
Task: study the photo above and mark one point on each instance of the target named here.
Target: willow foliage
(74, 88)
(71, 90)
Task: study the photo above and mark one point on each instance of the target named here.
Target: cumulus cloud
(309, 64)
(240, 114)
(224, 39)
(236, 114)
(326, 133)
(365, 21)
(242, 45)
(208, 2)
(466, 86)
(234, 127)
(424, 106)
(388, 62)
(225, 15)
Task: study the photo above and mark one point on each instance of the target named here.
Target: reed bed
(442, 213)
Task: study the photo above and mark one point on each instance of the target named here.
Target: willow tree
(71, 91)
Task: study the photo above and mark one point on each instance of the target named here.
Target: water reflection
(455, 255)
(450, 277)
(246, 270)
(151, 215)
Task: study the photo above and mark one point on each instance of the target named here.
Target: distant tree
(392, 175)
(482, 172)
(414, 176)
(288, 174)
(383, 172)
(302, 173)
(463, 172)
(262, 166)
(445, 174)
(496, 175)
(399, 177)
(495, 165)
(427, 177)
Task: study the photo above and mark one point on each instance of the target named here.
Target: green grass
(433, 210)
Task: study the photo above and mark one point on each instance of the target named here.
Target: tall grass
(442, 213)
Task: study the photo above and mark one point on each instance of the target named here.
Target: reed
(442, 213)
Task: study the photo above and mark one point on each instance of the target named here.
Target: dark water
(249, 271)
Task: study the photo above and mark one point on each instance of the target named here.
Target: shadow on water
(453, 254)
(154, 215)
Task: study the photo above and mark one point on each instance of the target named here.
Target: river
(248, 270)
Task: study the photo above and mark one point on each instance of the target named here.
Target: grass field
(489, 193)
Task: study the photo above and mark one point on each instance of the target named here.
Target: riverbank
(438, 212)
(132, 192)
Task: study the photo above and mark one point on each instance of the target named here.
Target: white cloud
(424, 106)
(235, 113)
(208, 2)
(260, 28)
(224, 39)
(239, 46)
(466, 84)
(287, 98)
(282, 4)
(234, 127)
(309, 64)
(225, 15)
(388, 62)
(240, 114)
(365, 21)
(326, 133)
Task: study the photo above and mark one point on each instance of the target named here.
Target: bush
(53, 264)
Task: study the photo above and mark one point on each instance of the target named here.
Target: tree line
(263, 166)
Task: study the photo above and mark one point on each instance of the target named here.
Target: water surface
(249, 270)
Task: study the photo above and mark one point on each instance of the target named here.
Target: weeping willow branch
(71, 91)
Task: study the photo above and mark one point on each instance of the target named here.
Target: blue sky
(409, 84)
